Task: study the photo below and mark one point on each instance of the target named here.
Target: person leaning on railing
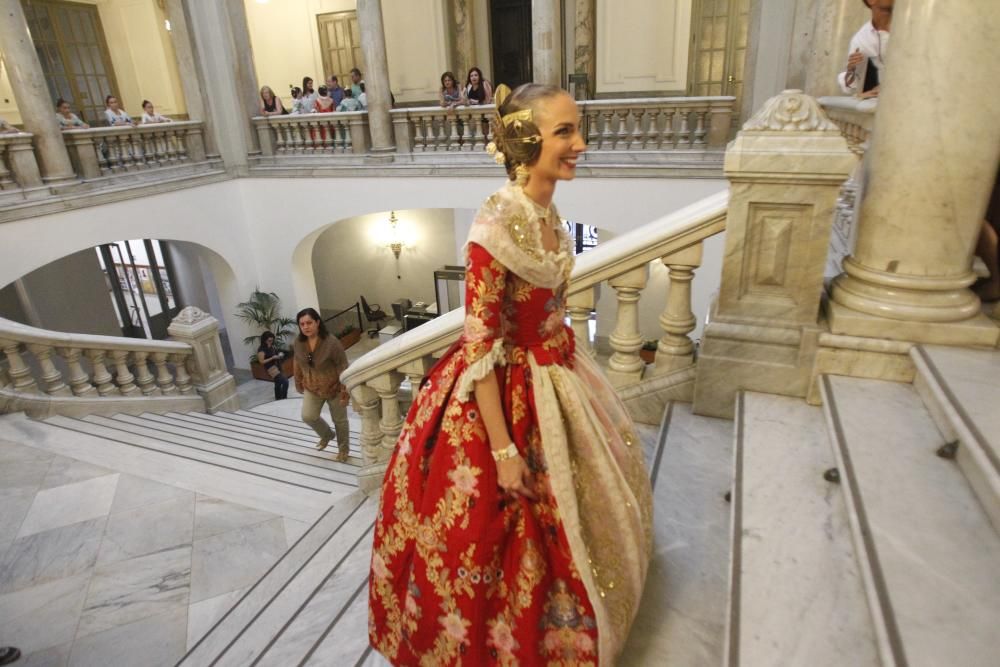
(114, 114)
(450, 95)
(67, 119)
(477, 89)
(319, 361)
(149, 114)
(270, 104)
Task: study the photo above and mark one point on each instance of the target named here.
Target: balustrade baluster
(169, 144)
(366, 403)
(279, 138)
(310, 137)
(676, 349)
(419, 135)
(653, 133)
(454, 138)
(684, 133)
(181, 375)
(580, 307)
(100, 148)
(102, 378)
(18, 371)
(348, 140)
(471, 130)
(669, 138)
(625, 366)
(436, 125)
(123, 376)
(126, 152)
(150, 149)
(608, 133)
(51, 376)
(164, 380)
(6, 182)
(699, 128)
(79, 381)
(298, 143)
(328, 136)
(621, 136)
(145, 379)
(179, 141)
(387, 388)
(638, 129)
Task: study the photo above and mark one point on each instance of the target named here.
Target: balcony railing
(854, 117)
(18, 166)
(104, 151)
(326, 136)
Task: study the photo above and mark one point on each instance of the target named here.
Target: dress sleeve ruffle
(495, 356)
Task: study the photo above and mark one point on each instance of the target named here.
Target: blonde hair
(520, 141)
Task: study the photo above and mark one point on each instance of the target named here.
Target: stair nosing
(336, 619)
(204, 418)
(180, 456)
(887, 633)
(222, 418)
(731, 635)
(217, 444)
(284, 586)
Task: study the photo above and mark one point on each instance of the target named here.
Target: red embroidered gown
(461, 573)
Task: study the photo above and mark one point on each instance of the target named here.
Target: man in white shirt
(871, 42)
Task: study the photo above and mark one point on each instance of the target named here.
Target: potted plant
(648, 351)
(263, 312)
(349, 335)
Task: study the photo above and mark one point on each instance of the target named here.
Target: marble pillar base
(736, 357)
(370, 477)
(979, 330)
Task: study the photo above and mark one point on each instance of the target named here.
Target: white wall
(642, 45)
(349, 261)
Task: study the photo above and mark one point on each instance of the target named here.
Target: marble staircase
(862, 530)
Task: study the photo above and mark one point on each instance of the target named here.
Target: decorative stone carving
(790, 111)
(190, 315)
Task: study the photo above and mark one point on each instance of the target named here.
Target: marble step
(796, 592)
(346, 640)
(273, 421)
(224, 483)
(960, 388)
(927, 549)
(681, 617)
(291, 437)
(335, 604)
(335, 560)
(122, 435)
(150, 425)
(239, 636)
(173, 423)
(299, 433)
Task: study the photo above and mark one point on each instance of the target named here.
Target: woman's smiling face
(558, 122)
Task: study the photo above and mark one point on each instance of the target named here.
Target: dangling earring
(521, 175)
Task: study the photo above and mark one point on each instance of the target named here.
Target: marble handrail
(855, 118)
(327, 134)
(623, 263)
(101, 151)
(49, 372)
(18, 164)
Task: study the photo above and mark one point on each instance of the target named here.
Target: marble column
(932, 168)
(216, 59)
(463, 38)
(376, 78)
(585, 43)
(33, 101)
(192, 81)
(546, 41)
(245, 72)
(836, 21)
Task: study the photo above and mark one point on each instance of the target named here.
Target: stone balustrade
(657, 124)
(47, 372)
(105, 151)
(328, 135)
(437, 130)
(855, 118)
(623, 263)
(18, 165)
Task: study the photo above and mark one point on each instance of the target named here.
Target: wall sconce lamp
(395, 241)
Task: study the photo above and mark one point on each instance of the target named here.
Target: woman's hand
(514, 477)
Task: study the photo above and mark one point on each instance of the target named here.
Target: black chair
(375, 316)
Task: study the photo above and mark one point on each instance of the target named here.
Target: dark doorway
(140, 283)
(510, 32)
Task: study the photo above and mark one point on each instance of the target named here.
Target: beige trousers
(312, 407)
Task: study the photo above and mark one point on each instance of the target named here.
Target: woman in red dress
(515, 518)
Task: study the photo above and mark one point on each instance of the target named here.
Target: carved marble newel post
(207, 365)
(785, 167)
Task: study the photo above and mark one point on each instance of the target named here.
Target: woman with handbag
(270, 358)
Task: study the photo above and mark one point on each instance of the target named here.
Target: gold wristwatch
(508, 452)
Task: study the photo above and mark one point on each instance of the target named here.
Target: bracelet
(508, 452)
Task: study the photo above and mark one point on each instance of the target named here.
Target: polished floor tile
(148, 529)
(213, 516)
(155, 641)
(235, 559)
(68, 504)
(43, 616)
(52, 554)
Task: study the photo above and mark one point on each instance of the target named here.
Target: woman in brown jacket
(319, 361)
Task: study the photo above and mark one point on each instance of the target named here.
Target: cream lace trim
(507, 226)
(466, 383)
